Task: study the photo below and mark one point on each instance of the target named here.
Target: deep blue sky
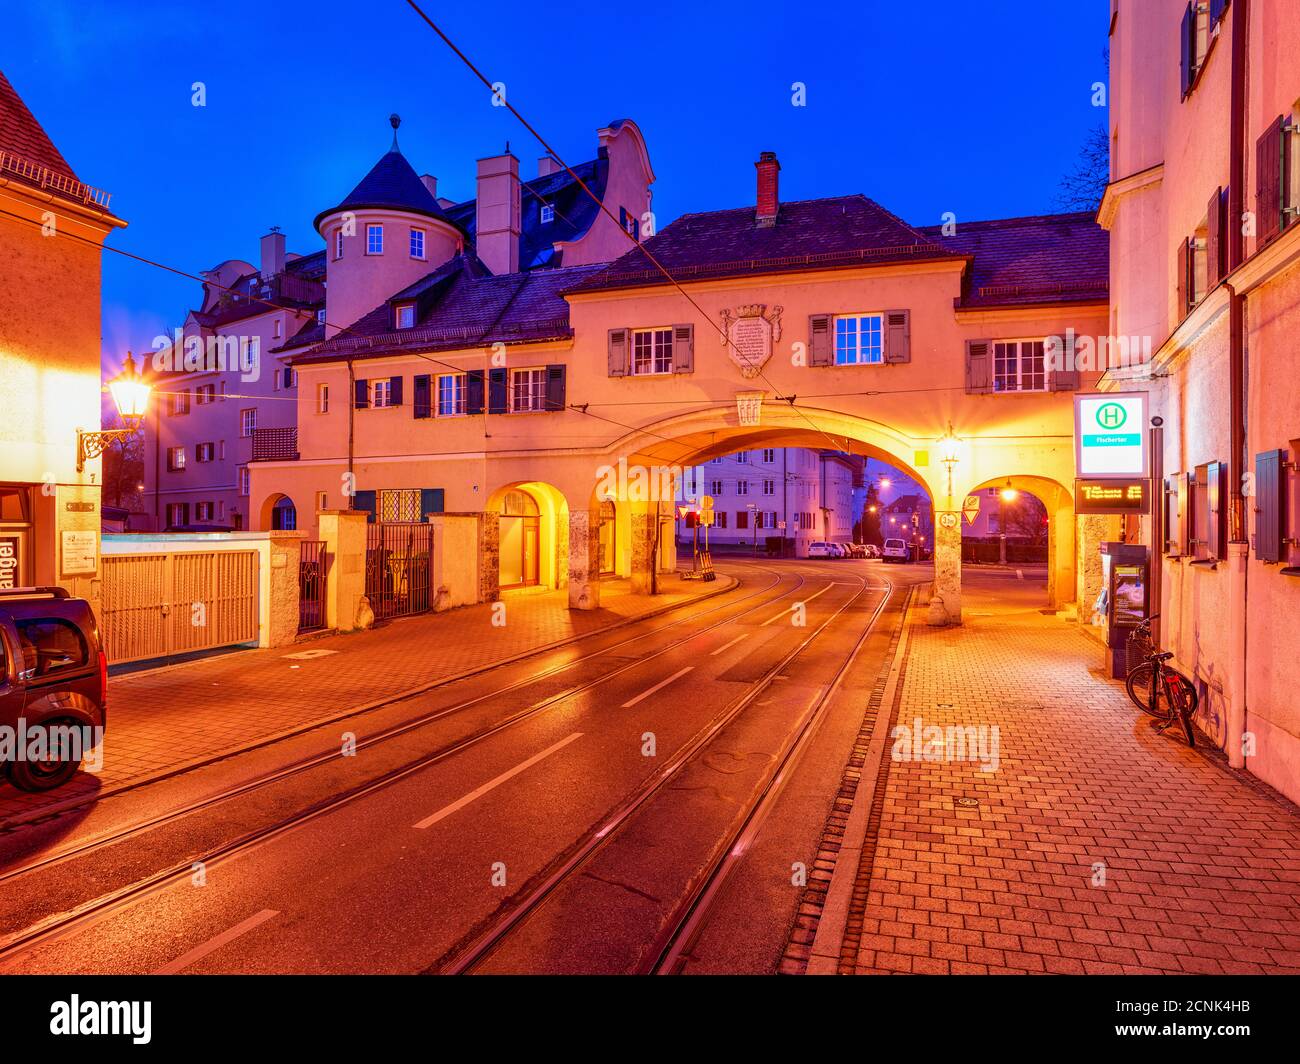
(926, 106)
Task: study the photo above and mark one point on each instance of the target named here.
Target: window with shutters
(1019, 366)
(381, 393)
(178, 403)
(1195, 40)
(652, 351)
(1207, 518)
(451, 394)
(859, 339)
(176, 459)
(399, 504)
(205, 393)
(527, 390)
(205, 452)
(204, 511)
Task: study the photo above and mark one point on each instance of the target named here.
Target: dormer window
(320, 317)
(548, 213)
(405, 315)
(374, 240)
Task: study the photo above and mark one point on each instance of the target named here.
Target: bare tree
(1083, 187)
(123, 470)
(1025, 517)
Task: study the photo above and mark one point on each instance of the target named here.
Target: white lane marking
(213, 944)
(743, 635)
(801, 602)
(478, 792)
(659, 686)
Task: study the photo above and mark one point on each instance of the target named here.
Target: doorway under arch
(279, 514)
(520, 540)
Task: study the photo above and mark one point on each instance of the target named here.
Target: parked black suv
(53, 686)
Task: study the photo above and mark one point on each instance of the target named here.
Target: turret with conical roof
(385, 235)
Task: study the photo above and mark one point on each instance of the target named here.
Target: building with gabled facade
(52, 229)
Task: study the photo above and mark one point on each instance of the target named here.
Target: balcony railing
(275, 445)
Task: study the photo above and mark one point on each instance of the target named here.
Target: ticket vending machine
(1126, 591)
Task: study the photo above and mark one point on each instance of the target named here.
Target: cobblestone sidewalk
(1097, 846)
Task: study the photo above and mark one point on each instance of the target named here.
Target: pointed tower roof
(391, 184)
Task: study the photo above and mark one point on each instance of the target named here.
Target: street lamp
(131, 396)
(949, 454)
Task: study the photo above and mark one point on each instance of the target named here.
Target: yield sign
(971, 508)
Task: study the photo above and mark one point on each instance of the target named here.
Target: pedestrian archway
(532, 535)
(279, 514)
(1023, 525)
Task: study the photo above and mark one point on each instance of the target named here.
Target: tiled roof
(574, 211)
(461, 305)
(1053, 258)
(808, 235)
(21, 134)
(391, 183)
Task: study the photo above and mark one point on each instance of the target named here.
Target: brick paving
(1201, 865)
(164, 719)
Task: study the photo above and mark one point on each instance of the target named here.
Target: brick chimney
(769, 202)
(272, 253)
(497, 213)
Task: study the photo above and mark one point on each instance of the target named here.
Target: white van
(896, 551)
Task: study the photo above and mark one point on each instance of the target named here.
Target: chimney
(546, 165)
(768, 200)
(497, 213)
(272, 253)
(431, 183)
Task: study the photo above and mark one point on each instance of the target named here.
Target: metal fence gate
(159, 605)
(399, 567)
(313, 565)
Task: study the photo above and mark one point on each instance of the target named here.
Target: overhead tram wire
(603, 209)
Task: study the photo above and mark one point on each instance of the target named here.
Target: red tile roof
(21, 134)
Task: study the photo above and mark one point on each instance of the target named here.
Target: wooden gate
(399, 568)
(160, 605)
(313, 564)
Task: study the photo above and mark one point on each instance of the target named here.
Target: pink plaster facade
(1230, 620)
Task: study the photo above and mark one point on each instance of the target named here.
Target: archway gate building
(535, 398)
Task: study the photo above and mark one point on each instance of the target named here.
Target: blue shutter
(474, 391)
(361, 394)
(1270, 505)
(423, 406)
(365, 501)
(497, 391)
(431, 502)
(555, 388)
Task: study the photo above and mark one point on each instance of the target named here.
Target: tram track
(691, 910)
(87, 913)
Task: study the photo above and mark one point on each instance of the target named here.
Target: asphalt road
(550, 816)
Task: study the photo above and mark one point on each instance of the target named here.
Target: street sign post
(1110, 435)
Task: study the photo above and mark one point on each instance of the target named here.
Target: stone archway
(528, 544)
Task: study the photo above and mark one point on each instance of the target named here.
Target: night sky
(974, 108)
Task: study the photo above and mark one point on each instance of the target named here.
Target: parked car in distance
(896, 550)
(818, 549)
(872, 550)
(54, 679)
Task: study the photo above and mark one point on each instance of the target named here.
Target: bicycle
(1156, 688)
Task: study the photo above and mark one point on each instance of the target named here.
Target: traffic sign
(1110, 435)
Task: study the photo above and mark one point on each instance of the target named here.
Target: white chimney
(546, 165)
(272, 254)
(431, 183)
(497, 213)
